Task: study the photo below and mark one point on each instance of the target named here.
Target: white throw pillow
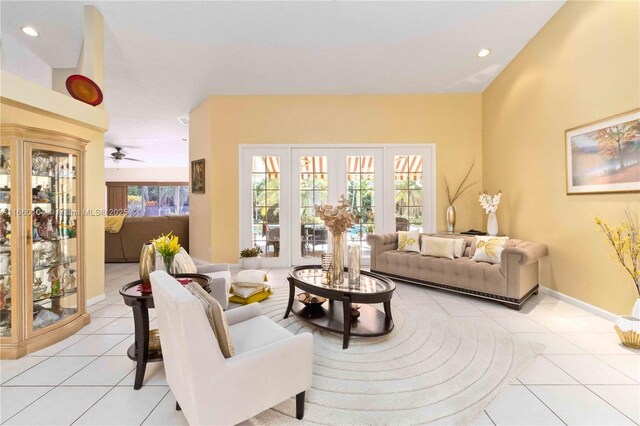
(216, 317)
(409, 241)
(254, 276)
(458, 247)
(438, 247)
(489, 249)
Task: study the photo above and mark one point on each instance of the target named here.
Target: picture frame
(604, 156)
(197, 176)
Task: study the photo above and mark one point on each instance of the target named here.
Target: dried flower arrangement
(339, 218)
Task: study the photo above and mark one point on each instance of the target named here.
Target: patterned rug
(430, 369)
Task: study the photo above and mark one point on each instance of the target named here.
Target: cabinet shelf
(69, 260)
(54, 298)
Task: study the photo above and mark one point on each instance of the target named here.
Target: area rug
(431, 368)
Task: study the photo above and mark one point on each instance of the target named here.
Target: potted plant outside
(250, 258)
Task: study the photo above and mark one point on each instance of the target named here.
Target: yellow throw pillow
(216, 318)
(489, 249)
(438, 247)
(258, 297)
(409, 241)
(113, 224)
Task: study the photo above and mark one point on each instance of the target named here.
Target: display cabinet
(42, 297)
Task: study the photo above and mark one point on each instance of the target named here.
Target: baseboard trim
(99, 298)
(580, 304)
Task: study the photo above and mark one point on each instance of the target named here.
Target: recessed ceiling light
(30, 31)
(184, 120)
(483, 52)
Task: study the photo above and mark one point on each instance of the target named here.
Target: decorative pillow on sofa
(409, 241)
(438, 247)
(458, 247)
(489, 249)
(216, 318)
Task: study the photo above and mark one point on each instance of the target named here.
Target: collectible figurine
(54, 279)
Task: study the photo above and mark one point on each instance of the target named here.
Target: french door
(389, 188)
(320, 176)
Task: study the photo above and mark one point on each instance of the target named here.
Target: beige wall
(221, 123)
(201, 205)
(94, 183)
(584, 65)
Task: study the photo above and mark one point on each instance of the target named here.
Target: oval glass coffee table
(335, 314)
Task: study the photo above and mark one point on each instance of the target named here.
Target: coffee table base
(330, 316)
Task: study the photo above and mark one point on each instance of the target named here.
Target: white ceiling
(163, 58)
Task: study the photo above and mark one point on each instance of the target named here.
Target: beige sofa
(125, 246)
(510, 282)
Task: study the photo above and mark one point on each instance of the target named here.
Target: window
(408, 192)
(314, 188)
(361, 195)
(157, 200)
(265, 187)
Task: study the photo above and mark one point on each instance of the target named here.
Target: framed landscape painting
(604, 156)
(197, 176)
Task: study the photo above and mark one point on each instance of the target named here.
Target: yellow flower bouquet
(168, 246)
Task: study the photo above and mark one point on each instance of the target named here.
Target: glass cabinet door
(54, 248)
(6, 212)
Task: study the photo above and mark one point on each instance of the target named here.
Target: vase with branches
(452, 196)
(625, 240)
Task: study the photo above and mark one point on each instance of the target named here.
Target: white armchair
(219, 273)
(221, 284)
(269, 366)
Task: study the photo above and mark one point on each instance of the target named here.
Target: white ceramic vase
(492, 224)
(250, 262)
(635, 312)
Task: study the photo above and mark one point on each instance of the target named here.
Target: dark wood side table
(140, 303)
(335, 314)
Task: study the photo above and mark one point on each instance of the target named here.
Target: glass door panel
(265, 189)
(54, 250)
(313, 175)
(361, 186)
(408, 192)
(6, 213)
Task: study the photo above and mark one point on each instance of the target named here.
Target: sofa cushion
(458, 247)
(461, 272)
(438, 247)
(409, 241)
(489, 249)
(257, 332)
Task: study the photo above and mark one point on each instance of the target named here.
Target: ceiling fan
(118, 156)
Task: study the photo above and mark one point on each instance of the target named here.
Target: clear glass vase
(338, 258)
(168, 263)
(354, 265)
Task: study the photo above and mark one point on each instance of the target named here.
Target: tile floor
(584, 376)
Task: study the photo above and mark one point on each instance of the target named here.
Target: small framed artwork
(197, 176)
(604, 157)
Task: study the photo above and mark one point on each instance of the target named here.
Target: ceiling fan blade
(133, 159)
(114, 146)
